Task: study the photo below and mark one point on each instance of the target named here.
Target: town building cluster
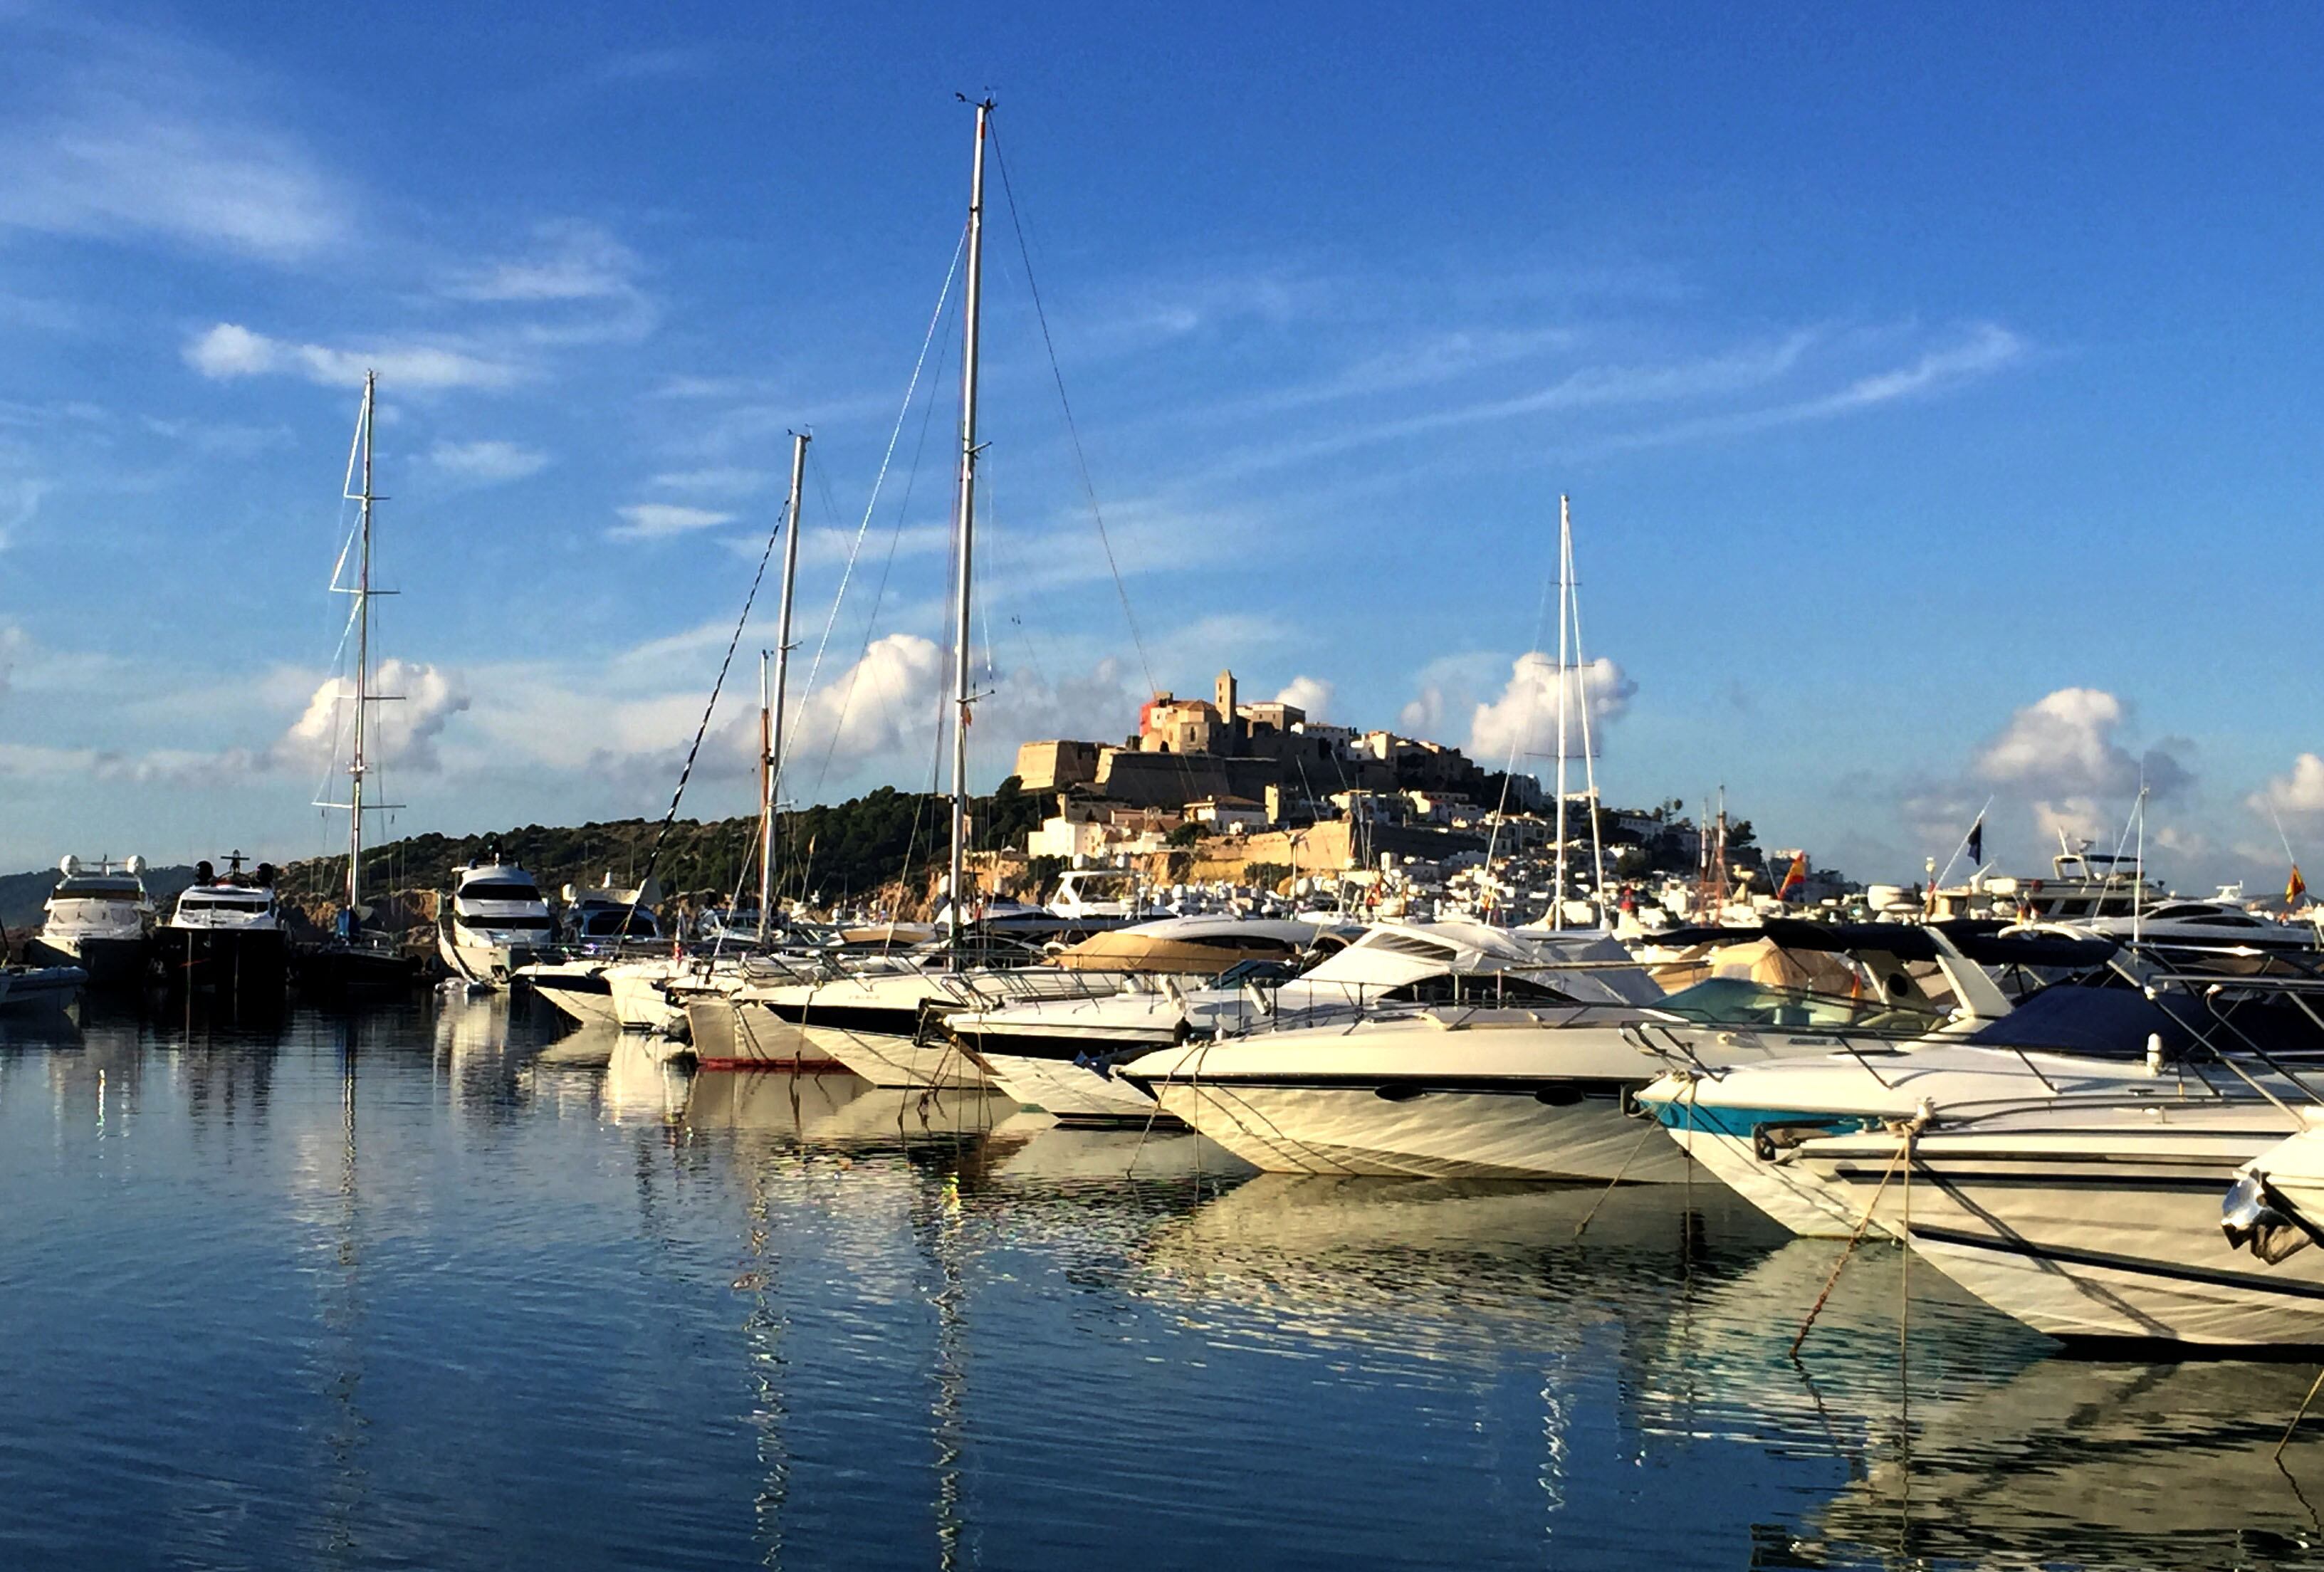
(1234, 785)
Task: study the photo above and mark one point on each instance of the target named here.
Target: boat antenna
(964, 546)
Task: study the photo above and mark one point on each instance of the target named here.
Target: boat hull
(247, 964)
(2119, 1243)
(36, 990)
(1435, 1133)
(1074, 1093)
(887, 1059)
(484, 966)
(584, 997)
(743, 1034)
(338, 972)
(1813, 1211)
(110, 963)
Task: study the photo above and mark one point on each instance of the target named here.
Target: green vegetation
(828, 852)
(1266, 875)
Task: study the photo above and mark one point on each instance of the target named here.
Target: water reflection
(419, 1287)
(2114, 1464)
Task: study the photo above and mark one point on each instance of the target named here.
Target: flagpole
(1973, 823)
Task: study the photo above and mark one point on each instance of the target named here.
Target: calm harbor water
(436, 1288)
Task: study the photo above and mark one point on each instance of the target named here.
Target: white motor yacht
(602, 924)
(881, 1016)
(1486, 1088)
(1060, 1054)
(492, 922)
(225, 935)
(100, 919)
(2072, 1188)
(1055, 1054)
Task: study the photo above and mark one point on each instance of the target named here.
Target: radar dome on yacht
(69, 865)
(135, 866)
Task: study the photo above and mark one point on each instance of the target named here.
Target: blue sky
(1934, 391)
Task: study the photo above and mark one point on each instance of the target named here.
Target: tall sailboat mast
(355, 762)
(771, 727)
(1565, 602)
(971, 304)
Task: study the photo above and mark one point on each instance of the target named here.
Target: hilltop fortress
(1263, 771)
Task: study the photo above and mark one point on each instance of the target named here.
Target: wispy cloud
(717, 482)
(120, 133)
(487, 461)
(229, 350)
(661, 521)
(574, 261)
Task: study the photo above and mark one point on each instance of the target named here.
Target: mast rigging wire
(686, 772)
(1072, 428)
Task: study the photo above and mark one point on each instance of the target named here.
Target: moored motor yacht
(879, 1014)
(99, 919)
(1487, 1087)
(492, 920)
(602, 926)
(1054, 1053)
(1059, 1054)
(224, 935)
(2070, 1177)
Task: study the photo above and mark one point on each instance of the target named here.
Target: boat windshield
(1262, 973)
(74, 889)
(499, 891)
(1733, 1001)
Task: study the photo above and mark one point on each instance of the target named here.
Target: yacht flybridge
(492, 920)
(100, 919)
(225, 935)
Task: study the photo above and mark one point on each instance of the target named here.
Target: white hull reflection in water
(2096, 1464)
(1426, 1132)
(447, 1295)
(1413, 1262)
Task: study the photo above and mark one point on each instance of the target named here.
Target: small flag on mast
(2294, 888)
(1976, 842)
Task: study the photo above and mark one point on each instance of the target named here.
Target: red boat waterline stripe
(815, 1066)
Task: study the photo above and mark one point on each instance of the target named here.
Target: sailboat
(356, 958)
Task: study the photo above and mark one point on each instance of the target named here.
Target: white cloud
(405, 732)
(2064, 745)
(663, 521)
(1312, 694)
(1525, 716)
(488, 461)
(229, 350)
(2297, 796)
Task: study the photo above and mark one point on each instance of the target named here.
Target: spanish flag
(2294, 888)
(1794, 879)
